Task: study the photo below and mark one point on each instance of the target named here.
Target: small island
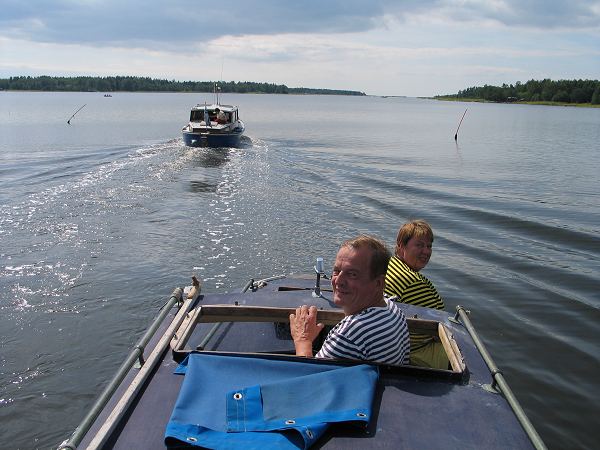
(146, 84)
(544, 92)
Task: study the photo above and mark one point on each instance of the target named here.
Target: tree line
(562, 91)
(146, 84)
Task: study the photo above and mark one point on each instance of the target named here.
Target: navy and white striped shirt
(376, 334)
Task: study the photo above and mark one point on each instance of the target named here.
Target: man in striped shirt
(373, 329)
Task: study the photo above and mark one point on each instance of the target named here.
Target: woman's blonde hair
(416, 228)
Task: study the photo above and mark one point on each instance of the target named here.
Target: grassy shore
(479, 100)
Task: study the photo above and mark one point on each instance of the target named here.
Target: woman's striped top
(409, 286)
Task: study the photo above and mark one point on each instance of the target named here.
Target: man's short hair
(380, 255)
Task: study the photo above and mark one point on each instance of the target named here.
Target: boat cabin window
(196, 115)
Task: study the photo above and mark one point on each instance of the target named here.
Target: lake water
(101, 219)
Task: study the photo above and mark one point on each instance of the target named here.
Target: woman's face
(416, 252)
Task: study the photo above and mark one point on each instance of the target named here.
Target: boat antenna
(463, 116)
(220, 81)
(69, 121)
(216, 91)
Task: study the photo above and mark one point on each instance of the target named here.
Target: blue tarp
(229, 402)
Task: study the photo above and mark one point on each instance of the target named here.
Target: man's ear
(380, 280)
(400, 252)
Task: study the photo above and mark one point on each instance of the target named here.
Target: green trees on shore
(563, 91)
(145, 84)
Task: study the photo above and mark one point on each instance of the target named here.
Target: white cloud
(395, 48)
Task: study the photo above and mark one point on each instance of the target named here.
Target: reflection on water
(205, 166)
(202, 187)
(209, 157)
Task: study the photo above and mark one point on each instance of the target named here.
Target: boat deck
(415, 407)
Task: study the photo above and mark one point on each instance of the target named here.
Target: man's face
(416, 252)
(353, 288)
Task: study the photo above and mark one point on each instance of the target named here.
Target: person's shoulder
(398, 268)
(394, 306)
(397, 263)
(391, 303)
(394, 260)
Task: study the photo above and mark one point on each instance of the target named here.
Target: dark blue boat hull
(192, 139)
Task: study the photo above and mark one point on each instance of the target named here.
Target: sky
(380, 47)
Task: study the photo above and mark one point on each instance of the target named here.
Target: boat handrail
(136, 355)
(499, 382)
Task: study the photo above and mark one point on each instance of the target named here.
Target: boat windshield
(197, 115)
(205, 323)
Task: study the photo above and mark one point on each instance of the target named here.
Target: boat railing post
(140, 349)
(320, 271)
(248, 285)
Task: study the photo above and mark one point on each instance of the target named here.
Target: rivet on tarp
(361, 414)
(309, 434)
(237, 396)
(290, 422)
(191, 439)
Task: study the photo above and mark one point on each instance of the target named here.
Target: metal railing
(136, 355)
(499, 382)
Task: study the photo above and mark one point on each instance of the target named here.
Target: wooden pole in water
(69, 121)
(463, 116)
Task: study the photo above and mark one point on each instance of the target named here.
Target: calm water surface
(101, 219)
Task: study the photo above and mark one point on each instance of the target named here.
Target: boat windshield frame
(279, 316)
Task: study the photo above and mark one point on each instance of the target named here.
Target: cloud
(169, 24)
(393, 47)
(155, 22)
(545, 14)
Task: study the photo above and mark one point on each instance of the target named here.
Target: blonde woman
(404, 283)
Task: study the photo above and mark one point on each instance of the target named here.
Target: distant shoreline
(517, 102)
(113, 84)
(582, 93)
(187, 92)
